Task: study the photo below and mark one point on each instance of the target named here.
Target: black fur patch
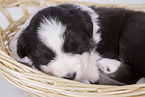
(123, 38)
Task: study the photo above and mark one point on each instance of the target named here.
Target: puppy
(72, 41)
(60, 40)
(122, 45)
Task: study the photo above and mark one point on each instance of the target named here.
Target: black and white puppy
(73, 41)
(60, 40)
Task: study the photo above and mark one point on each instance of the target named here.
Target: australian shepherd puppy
(73, 41)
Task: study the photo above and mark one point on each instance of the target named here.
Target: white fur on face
(83, 65)
(51, 34)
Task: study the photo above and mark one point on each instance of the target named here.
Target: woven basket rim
(39, 83)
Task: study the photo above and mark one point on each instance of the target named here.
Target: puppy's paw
(109, 65)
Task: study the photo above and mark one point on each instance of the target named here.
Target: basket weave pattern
(40, 84)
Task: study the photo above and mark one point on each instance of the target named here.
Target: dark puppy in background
(122, 41)
(73, 41)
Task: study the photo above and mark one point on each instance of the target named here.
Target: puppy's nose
(70, 76)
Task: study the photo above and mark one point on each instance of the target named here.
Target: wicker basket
(40, 84)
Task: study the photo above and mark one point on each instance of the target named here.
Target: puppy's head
(59, 41)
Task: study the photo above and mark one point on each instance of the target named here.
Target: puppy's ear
(88, 28)
(21, 46)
